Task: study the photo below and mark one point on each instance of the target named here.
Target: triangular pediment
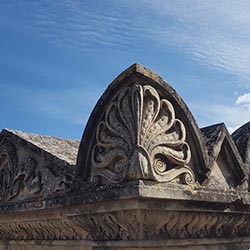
(33, 166)
(226, 166)
(241, 138)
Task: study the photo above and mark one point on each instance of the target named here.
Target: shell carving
(140, 138)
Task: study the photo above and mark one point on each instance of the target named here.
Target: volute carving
(27, 178)
(140, 138)
(23, 177)
(8, 164)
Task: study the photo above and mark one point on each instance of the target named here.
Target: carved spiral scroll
(140, 138)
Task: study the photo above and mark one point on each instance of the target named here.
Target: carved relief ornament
(24, 177)
(8, 164)
(139, 137)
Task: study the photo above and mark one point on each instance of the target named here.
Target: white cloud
(208, 114)
(243, 99)
(232, 129)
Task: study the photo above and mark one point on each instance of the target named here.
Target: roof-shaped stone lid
(241, 138)
(64, 149)
(214, 137)
(223, 151)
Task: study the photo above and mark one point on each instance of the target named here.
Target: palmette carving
(140, 138)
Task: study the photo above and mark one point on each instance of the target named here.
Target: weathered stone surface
(226, 166)
(29, 171)
(140, 138)
(241, 138)
(144, 177)
(64, 149)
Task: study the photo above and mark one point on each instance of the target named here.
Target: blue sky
(57, 58)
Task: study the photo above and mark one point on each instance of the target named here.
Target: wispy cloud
(83, 25)
(213, 32)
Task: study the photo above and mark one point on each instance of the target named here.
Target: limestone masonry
(144, 176)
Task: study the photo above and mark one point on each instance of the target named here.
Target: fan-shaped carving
(140, 138)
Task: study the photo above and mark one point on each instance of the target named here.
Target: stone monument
(144, 176)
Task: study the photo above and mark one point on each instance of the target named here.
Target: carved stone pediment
(27, 171)
(226, 166)
(146, 177)
(241, 138)
(141, 129)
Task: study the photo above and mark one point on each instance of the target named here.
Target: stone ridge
(241, 138)
(64, 149)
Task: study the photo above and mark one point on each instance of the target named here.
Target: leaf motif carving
(140, 138)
